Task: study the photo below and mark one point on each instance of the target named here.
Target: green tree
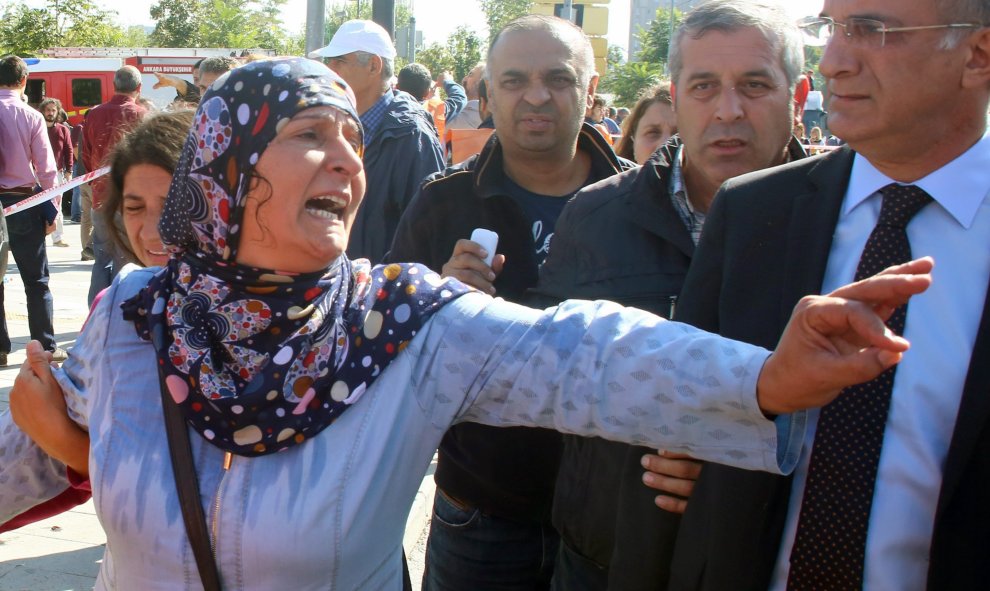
(616, 56)
(626, 81)
(27, 31)
(465, 48)
(460, 53)
(135, 36)
(498, 13)
(228, 23)
(436, 58)
(351, 11)
(224, 23)
(267, 22)
(812, 56)
(655, 39)
(177, 23)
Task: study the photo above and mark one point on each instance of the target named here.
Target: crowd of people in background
(721, 198)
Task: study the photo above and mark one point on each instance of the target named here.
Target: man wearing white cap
(400, 145)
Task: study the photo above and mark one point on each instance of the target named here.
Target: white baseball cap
(358, 35)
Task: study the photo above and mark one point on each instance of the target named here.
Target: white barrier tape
(54, 191)
(819, 147)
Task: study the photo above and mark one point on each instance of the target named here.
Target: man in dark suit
(909, 87)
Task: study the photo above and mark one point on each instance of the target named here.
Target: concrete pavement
(64, 552)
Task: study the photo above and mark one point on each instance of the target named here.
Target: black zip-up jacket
(507, 472)
(622, 240)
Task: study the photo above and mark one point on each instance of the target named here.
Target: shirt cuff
(784, 433)
(790, 438)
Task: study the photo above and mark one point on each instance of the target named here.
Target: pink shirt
(26, 150)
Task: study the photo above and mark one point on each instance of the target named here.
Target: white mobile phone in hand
(488, 240)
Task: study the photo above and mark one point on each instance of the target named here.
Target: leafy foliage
(353, 11)
(616, 56)
(812, 56)
(458, 55)
(177, 23)
(655, 39)
(135, 36)
(26, 31)
(625, 81)
(498, 13)
(228, 23)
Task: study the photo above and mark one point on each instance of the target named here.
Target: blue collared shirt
(372, 118)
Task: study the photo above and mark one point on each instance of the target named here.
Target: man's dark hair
(51, 101)
(599, 101)
(416, 80)
(13, 70)
(220, 64)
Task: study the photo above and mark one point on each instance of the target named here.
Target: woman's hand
(673, 474)
(839, 340)
(37, 406)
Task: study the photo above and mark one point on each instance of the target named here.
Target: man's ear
(376, 64)
(673, 97)
(592, 88)
(977, 71)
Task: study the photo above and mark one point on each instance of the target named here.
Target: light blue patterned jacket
(329, 514)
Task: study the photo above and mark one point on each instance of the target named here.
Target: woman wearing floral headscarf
(316, 389)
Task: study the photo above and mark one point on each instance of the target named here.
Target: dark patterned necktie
(830, 543)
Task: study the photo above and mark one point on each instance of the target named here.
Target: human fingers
(672, 464)
(38, 360)
(828, 344)
(919, 266)
(671, 504)
(851, 325)
(889, 288)
(681, 487)
(159, 80)
(470, 278)
(465, 246)
(498, 263)
(34, 402)
(468, 266)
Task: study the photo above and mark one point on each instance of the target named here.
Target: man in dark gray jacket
(491, 520)
(630, 238)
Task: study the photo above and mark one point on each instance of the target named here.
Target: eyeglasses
(864, 32)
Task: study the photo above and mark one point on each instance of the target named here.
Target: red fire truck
(82, 77)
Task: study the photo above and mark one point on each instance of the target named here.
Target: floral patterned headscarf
(259, 360)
